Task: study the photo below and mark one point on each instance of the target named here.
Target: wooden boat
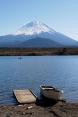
(51, 93)
(25, 96)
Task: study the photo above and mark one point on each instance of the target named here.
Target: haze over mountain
(36, 34)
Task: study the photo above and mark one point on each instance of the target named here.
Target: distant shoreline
(37, 51)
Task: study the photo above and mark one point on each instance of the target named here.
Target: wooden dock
(24, 96)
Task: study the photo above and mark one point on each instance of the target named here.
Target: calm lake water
(32, 71)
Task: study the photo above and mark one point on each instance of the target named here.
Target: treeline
(37, 51)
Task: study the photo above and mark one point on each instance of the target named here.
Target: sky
(61, 15)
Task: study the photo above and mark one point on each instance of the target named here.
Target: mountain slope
(37, 34)
(22, 41)
(40, 43)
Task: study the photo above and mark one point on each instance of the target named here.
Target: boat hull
(51, 93)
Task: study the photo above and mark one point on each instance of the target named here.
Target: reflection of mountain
(37, 34)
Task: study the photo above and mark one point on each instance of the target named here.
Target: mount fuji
(36, 35)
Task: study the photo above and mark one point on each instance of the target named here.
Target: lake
(32, 71)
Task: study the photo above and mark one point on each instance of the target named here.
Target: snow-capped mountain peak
(36, 35)
(34, 28)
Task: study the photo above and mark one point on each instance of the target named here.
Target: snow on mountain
(34, 28)
(37, 34)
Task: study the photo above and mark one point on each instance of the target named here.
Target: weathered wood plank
(24, 96)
